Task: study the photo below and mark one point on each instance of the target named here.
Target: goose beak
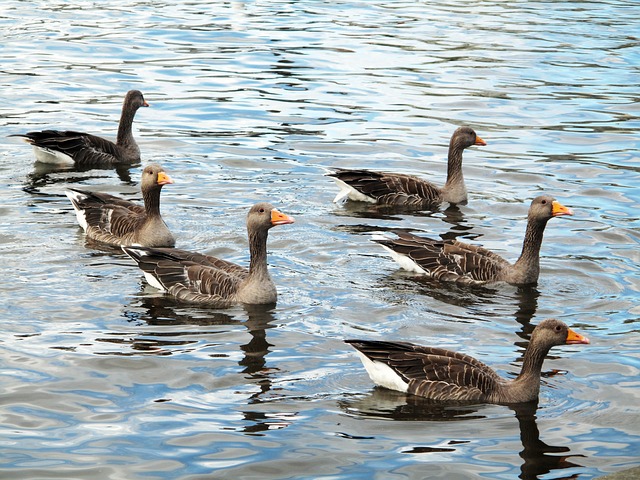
(164, 179)
(480, 141)
(558, 209)
(145, 104)
(576, 338)
(278, 218)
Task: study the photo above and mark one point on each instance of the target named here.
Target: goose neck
(125, 134)
(454, 164)
(258, 253)
(151, 198)
(530, 256)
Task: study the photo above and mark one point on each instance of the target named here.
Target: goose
(198, 278)
(444, 375)
(115, 221)
(455, 261)
(83, 149)
(406, 190)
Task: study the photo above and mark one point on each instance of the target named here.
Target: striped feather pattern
(190, 276)
(431, 372)
(447, 260)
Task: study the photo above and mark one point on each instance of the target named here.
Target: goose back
(444, 260)
(432, 372)
(190, 276)
(386, 188)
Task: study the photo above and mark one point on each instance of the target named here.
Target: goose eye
(558, 328)
(544, 202)
(261, 210)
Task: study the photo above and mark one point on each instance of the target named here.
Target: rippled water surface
(105, 378)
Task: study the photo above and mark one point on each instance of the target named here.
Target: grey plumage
(444, 375)
(86, 150)
(385, 188)
(455, 261)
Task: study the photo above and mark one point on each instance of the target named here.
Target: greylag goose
(116, 221)
(197, 278)
(83, 149)
(406, 190)
(440, 374)
(455, 261)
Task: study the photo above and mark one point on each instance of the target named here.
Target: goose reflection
(44, 175)
(162, 311)
(493, 300)
(451, 215)
(538, 457)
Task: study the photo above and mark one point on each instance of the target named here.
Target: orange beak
(164, 179)
(145, 104)
(558, 209)
(575, 338)
(480, 141)
(278, 218)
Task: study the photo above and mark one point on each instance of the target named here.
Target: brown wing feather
(96, 150)
(110, 219)
(433, 372)
(448, 260)
(390, 188)
(84, 148)
(191, 276)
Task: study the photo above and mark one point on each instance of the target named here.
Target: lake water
(104, 378)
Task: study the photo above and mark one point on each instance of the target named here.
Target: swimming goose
(406, 190)
(83, 149)
(454, 261)
(440, 374)
(198, 278)
(116, 221)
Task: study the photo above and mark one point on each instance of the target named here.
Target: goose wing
(107, 218)
(448, 260)
(84, 148)
(432, 372)
(188, 275)
(389, 188)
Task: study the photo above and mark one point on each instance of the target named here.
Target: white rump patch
(77, 197)
(383, 375)
(405, 262)
(46, 155)
(154, 282)
(348, 192)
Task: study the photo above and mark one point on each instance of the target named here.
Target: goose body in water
(406, 190)
(70, 147)
(444, 375)
(198, 278)
(115, 221)
(455, 261)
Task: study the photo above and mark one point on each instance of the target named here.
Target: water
(251, 101)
